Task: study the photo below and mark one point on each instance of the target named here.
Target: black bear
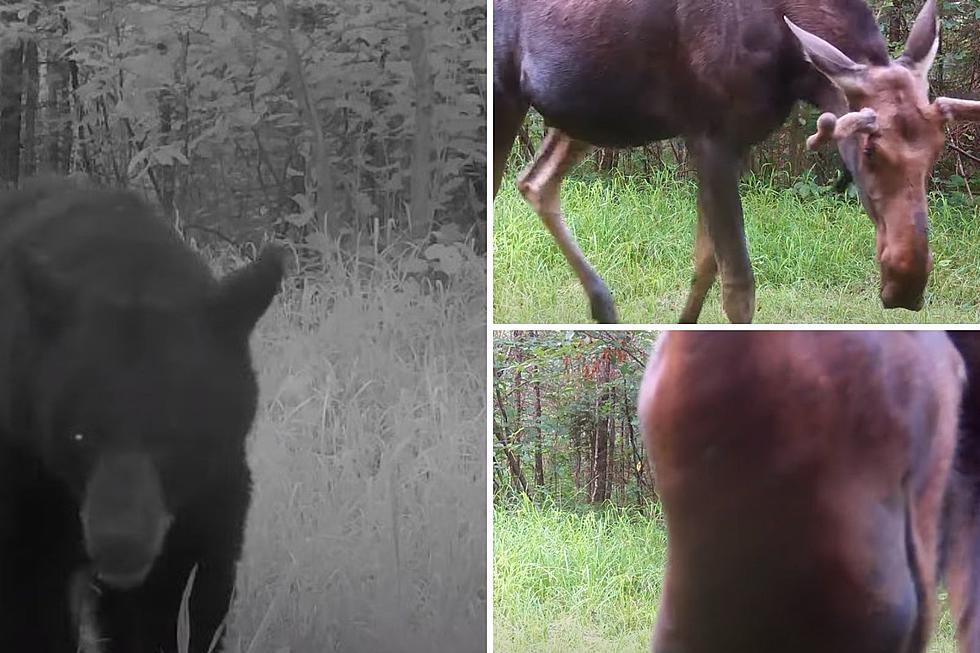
(126, 393)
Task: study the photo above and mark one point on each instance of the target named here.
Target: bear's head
(139, 405)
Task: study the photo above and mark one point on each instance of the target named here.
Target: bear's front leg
(40, 547)
(34, 610)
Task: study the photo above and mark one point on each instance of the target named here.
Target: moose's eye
(869, 151)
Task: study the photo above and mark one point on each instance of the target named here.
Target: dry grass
(367, 530)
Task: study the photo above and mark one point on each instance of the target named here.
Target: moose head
(890, 142)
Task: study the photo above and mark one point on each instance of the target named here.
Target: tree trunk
(87, 164)
(57, 114)
(644, 476)
(320, 168)
(500, 430)
(517, 428)
(603, 433)
(600, 457)
(611, 431)
(538, 453)
(29, 164)
(513, 462)
(600, 447)
(797, 144)
(163, 176)
(421, 192)
(11, 112)
(608, 158)
(577, 437)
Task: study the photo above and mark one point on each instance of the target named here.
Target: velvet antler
(830, 127)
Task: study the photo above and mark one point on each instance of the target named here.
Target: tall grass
(367, 530)
(813, 257)
(574, 580)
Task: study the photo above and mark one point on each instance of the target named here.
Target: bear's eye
(79, 438)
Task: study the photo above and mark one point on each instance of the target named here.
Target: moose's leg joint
(540, 184)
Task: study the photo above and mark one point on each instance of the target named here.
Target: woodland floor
(813, 255)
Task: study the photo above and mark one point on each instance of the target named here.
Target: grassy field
(586, 581)
(367, 530)
(813, 257)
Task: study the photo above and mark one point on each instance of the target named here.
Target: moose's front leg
(720, 210)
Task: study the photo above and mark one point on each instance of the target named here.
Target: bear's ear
(244, 295)
(48, 298)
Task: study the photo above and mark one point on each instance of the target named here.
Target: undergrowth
(367, 530)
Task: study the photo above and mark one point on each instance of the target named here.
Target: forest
(350, 121)
(564, 417)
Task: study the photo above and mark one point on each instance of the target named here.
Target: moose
(723, 76)
(815, 487)
(961, 541)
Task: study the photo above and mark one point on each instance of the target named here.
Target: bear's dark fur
(126, 393)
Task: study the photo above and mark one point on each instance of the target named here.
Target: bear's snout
(120, 562)
(124, 520)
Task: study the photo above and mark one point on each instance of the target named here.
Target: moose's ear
(48, 298)
(243, 296)
(923, 44)
(837, 66)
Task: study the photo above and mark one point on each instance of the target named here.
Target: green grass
(814, 258)
(367, 530)
(586, 581)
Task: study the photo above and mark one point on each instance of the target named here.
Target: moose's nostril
(893, 296)
(921, 220)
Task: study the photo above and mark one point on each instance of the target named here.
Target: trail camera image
(735, 490)
(242, 327)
